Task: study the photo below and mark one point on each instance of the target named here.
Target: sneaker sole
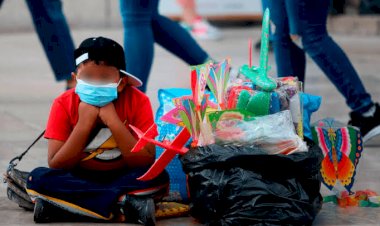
(23, 203)
(19, 177)
(371, 134)
(151, 221)
(206, 37)
(18, 190)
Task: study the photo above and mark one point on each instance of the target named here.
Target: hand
(87, 114)
(108, 114)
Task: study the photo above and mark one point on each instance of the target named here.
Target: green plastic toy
(258, 75)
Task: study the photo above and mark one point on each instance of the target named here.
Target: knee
(281, 40)
(313, 43)
(132, 18)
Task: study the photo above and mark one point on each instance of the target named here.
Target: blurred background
(15, 17)
(28, 86)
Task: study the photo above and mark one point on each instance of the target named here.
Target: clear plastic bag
(274, 133)
(287, 96)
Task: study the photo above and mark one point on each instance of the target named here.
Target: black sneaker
(45, 212)
(42, 211)
(20, 200)
(369, 126)
(20, 177)
(139, 210)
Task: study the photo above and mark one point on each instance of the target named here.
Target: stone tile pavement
(28, 88)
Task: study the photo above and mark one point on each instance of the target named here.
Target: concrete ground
(28, 88)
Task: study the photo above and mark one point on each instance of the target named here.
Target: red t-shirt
(131, 104)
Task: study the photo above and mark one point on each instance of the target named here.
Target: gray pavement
(28, 88)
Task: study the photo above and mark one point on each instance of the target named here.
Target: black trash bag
(231, 185)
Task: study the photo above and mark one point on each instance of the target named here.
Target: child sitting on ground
(92, 172)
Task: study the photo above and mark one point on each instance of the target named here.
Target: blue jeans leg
(54, 34)
(330, 58)
(308, 20)
(138, 37)
(290, 59)
(177, 40)
(143, 26)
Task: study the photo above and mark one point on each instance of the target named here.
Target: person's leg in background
(54, 34)
(138, 37)
(195, 24)
(330, 57)
(189, 14)
(142, 27)
(337, 7)
(264, 4)
(335, 64)
(290, 59)
(177, 40)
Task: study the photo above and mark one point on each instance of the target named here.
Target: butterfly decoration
(342, 148)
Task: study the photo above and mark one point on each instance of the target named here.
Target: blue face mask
(97, 95)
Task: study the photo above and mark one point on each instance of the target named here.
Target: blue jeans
(96, 191)
(54, 35)
(307, 18)
(143, 26)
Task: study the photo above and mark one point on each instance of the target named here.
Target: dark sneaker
(369, 126)
(42, 211)
(45, 212)
(18, 176)
(20, 200)
(16, 183)
(139, 210)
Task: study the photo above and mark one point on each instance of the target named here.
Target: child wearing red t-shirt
(92, 171)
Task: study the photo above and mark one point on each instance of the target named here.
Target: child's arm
(67, 155)
(125, 140)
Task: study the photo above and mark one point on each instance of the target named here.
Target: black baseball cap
(107, 50)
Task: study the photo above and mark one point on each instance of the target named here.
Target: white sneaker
(203, 30)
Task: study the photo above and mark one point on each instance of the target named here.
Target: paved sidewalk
(28, 88)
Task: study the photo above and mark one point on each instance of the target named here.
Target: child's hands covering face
(87, 114)
(108, 114)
